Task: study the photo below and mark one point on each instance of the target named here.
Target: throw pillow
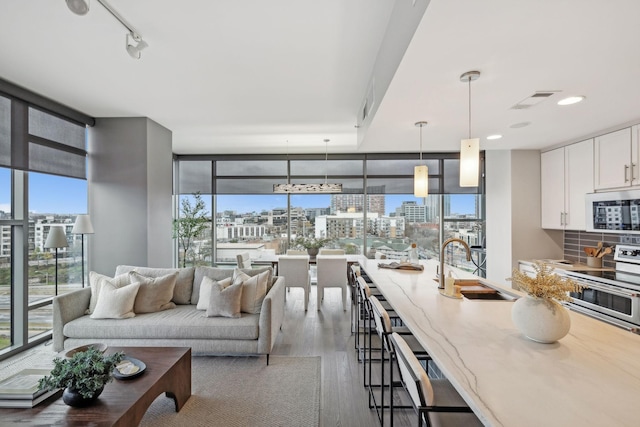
(224, 302)
(155, 293)
(205, 291)
(254, 289)
(95, 282)
(115, 303)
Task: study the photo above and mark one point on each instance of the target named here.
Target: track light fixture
(135, 50)
(81, 7)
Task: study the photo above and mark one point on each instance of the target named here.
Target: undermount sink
(476, 290)
(491, 296)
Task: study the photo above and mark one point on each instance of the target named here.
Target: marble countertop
(591, 377)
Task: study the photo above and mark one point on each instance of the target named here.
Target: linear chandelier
(133, 41)
(309, 188)
(469, 148)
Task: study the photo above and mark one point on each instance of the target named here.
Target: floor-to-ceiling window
(376, 213)
(42, 185)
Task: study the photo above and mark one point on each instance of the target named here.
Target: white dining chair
(296, 252)
(295, 270)
(332, 273)
(327, 251)
(244, 260)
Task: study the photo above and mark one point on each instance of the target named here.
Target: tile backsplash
(575, 241)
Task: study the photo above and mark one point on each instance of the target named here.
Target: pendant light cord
(469, 107)
(326, 159)
(421, 142)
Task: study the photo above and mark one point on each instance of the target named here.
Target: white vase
(541, 319)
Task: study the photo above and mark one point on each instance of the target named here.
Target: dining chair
(384, 328)
(244, 260)
(295, 270)
(435, 400)
(296, 252)
(331, 273)
(327, 251)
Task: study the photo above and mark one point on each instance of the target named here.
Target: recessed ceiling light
(571, 100)
(496, 136)
(519, 125)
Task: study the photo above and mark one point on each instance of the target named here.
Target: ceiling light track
(81, 7)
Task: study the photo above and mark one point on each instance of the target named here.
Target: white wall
(513, 213)
(130, 193)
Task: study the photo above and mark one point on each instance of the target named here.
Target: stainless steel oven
(612, 296)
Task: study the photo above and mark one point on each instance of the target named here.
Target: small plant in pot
(311, 244)
(83, 376)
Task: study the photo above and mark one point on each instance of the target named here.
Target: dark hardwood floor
(327, 333)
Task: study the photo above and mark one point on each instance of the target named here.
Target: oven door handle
(608, 289)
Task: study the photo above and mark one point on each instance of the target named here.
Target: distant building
(353, 200)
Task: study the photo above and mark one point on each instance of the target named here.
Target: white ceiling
(247, 76)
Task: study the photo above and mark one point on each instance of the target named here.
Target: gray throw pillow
(224, 302)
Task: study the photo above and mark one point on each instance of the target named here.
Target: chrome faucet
(444, 245)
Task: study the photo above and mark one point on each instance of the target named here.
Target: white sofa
(183, 326)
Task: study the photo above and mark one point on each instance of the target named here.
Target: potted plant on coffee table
(83, 376)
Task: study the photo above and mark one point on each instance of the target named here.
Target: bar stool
(384, 330)
(436, 401)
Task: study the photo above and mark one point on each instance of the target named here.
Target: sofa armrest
(271, 316)
(66, 308)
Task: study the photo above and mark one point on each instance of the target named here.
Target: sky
(60, 195)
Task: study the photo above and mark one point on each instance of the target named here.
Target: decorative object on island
(539, 315)
(82, 226)
(56, 239)
(444, 245)
(469, 148)
(421, 172)
(311, 244)
(83, 376)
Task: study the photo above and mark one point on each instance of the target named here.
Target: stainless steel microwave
(613, 212)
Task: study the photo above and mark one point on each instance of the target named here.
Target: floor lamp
(56, 239)
(82, 226)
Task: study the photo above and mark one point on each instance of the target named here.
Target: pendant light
(469, 148)
(421, 172)
(310, 188)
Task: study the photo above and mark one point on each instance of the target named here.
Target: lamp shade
(82, 225)
(469, 162)
(421, 181)
(56, 238)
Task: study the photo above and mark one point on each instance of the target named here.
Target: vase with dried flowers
(539, 315)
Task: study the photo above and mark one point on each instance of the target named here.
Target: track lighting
(135, 50)
(81, 7)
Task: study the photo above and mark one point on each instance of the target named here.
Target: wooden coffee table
(123, 402)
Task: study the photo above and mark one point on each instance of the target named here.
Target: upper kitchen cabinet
(617, 162)
(566, 176)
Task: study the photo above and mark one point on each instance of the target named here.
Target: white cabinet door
(578, 168)
(613, 165)
(552, 189)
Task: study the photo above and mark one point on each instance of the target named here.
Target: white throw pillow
(225, 302)
(254, 289)
(96, 280)
(115, 303)
(155, 293)
(205, 291)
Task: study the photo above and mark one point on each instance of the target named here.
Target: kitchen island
(591, 377)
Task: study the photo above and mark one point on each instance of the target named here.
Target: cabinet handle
(633, 177)
(566, 222)
(561, 218)
(626, 173)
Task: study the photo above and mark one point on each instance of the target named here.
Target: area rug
(243, 392)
